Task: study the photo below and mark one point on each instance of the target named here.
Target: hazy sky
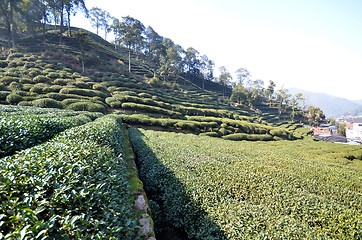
(315, 45)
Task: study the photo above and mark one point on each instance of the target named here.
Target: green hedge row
(150, 109)
(85, 92)
(216, 189)
(139, 119)
(21, 131)
(248, 137)
(147, 101)
(72, 187)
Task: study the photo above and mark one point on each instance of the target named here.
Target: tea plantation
(76, 185)
(74, 140)
(218, 189)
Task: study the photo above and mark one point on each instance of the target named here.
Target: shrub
(62, 82)
(14, 98)
(68, 101)
(7, 80)
(3, 95)
(33, 72)
(41, 79)
(29, 65)
(111, 89)
(53, 75)
(64, 74)
(145, 95)
(25, 103)
(15, 55)
(186, 125)
(210, 134)
(150, 109)
(93, 162)
(25, 80)
(51, 66)
(87, 106)
(3, 64)
(113, 103)
(15, 86)
(249, 137)
(280, 133)
(36, 89)
(99, 87)
(84, 92)
(55, 88)
(155, 81)
(80, 84)
(46, 103)
(224, 131)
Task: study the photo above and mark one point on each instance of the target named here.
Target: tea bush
(47, 103)
(113, 103)
(72, 187)
(87, 106)
(14, 98)
(217, 189)
(20, 131)
(84, 92)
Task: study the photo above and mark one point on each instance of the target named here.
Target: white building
(354, 131)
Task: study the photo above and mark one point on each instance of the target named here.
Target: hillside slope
(91, 75)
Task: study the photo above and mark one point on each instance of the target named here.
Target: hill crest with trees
(139, 53)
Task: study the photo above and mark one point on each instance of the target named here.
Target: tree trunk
(44, 24)
(69, 30)
(12, 24)
(129, 59)
(61, 23)
(9, 36)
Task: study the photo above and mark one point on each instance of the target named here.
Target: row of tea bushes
(216, 189)
(150, 109)
(72, 187)
(240, 127)
(167, 123)
(214, 127)
(20, 128)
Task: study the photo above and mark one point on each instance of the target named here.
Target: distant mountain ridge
(332, 106)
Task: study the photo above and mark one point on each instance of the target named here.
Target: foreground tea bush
(21, 128)
(217, 189)
(72, 187)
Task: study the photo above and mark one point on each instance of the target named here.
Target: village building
(353, 128)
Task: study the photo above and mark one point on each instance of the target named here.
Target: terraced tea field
(66, 176)
(218, 189)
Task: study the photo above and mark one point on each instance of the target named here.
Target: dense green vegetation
(217, 189)
(68, 171)
(34, 80)
(24, 127)
(73, 186)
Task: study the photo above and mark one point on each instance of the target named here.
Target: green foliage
(72, 187)
(248, 137)
(84, 92)
(113, 103)
(87, 106)
(150, 109)
(14, 98)
(7, 80)
(24, 128)
(3, 64)
(41, 79)
(47, 103)
(3, 95)
(217, 189)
